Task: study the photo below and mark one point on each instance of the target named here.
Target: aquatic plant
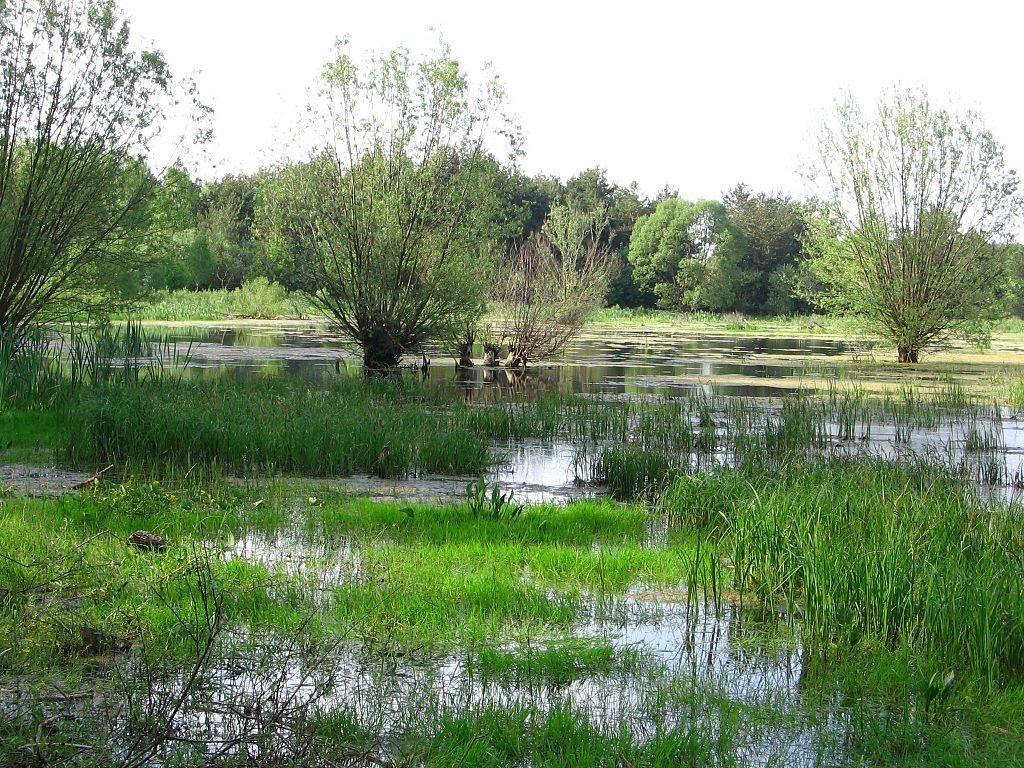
(872, 552)
(495, 505)
(630, 472)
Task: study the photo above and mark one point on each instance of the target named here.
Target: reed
(631, 472)
(257, 298)
(868, 552)
(274, 425)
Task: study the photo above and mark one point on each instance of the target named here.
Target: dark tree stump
(146, 541)
(490, 354)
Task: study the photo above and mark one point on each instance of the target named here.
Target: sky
(696, 96)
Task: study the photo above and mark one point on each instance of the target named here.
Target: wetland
(669, 548)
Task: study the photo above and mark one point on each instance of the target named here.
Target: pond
(623, 362)
(643, 362)
(434, 628)
(649, 659)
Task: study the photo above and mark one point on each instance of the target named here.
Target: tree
(175, 255)
(551, 282)
(1012, 257)
(918, 200)
(688, 255)
(386, 219)
(226, 223)
(78, 108)
(591, 191)
(773, 229)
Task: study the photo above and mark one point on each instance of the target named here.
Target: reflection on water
(621, 362)
(633, 362)
(675, 664)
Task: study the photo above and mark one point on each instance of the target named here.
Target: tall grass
(275, 425)
(873, 553)
(257, 298)
(405, 427)
(48, 365)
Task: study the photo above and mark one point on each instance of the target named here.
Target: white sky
(695, 95)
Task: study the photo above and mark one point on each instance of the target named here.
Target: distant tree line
(408, 220)
(743, 253)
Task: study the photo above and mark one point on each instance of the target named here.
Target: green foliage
(496, 505)
(76, 195)
(255, 298)
(351, 428)
(387, 220)
(207, 237)
(917, 200)
(688, 255)
(773, 229)
(872, 553)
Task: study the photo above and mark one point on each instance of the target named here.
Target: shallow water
(652, 361)
(636, 362)
(679, 664)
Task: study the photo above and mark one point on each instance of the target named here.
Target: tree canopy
(917, 202)
(688, 255)
(387, 219)
(79, 107)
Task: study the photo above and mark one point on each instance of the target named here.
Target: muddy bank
(33, 480)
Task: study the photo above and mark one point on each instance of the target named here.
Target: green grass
(631, 472)
(495, 737)
(402, 427)
(27, 435)
(557, 663)
(1014, 390)
(873, 553)
(730, 322)
(275, 425)
(893, 578)
(256, 299)
(427, 575)
(904, 588)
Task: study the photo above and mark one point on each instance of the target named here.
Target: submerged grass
(557, 663)
(401, 427)
(902, 585)
(883, 570)
(424, 577)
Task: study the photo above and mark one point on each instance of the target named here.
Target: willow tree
(385, 220)
(551, 282)
(79, 107)
(918, 201)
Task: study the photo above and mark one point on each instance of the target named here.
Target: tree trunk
(907, 354)
(515, 359)
(490, 354)
(381, 360)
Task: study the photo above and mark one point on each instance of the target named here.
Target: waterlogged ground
(703, 673)
(662, 361)
(613, 360)
(583, 633)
